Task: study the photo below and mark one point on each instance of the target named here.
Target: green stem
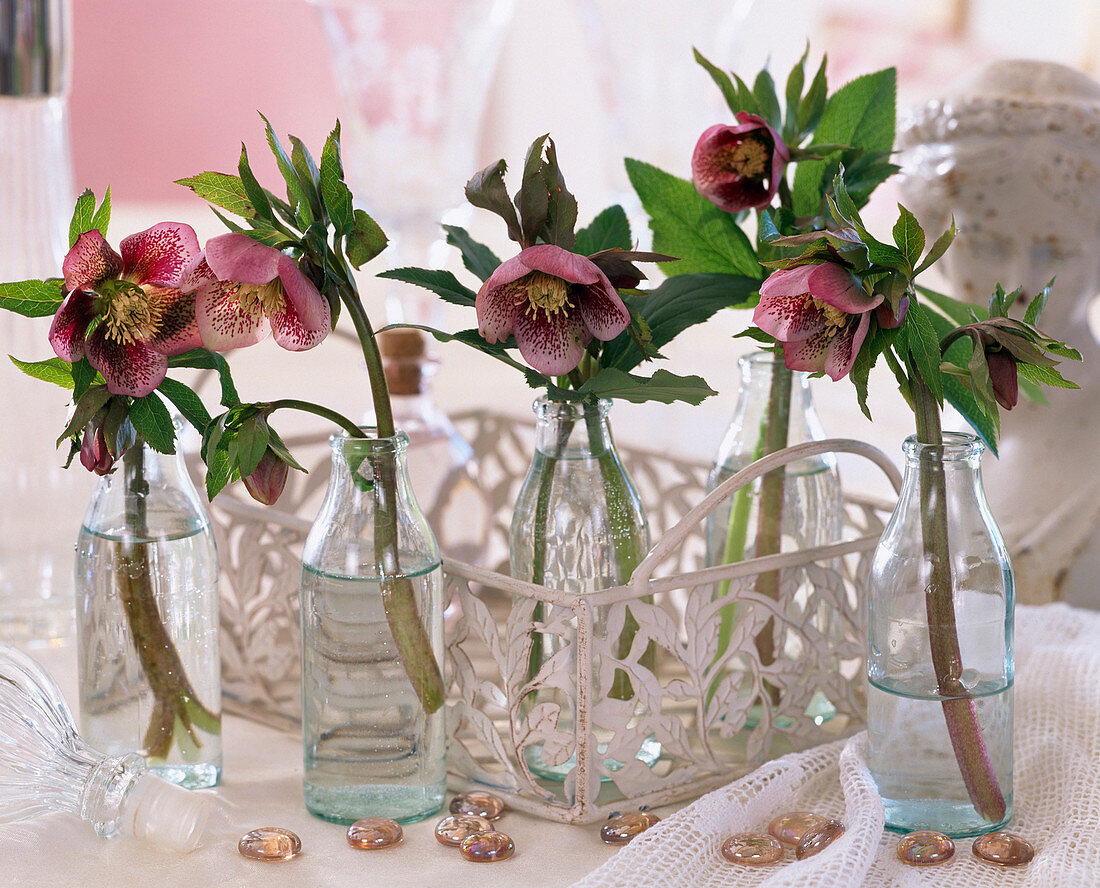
(959, 710)
(399, 597)
(174, 697)
(318, 410)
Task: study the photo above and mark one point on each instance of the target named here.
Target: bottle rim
(956, 447)
(546, 408)
(767, 359)
(343, 443)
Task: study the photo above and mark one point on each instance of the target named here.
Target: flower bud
(266, 483)
(1003, 376)
(94, 455)
(888, 318)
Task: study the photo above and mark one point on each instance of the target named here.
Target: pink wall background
(163, 90)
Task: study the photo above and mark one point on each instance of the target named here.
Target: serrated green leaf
(663, 386)
(533, 199)
(52, 370)
(203, 359)
(796, 80)
(1045, 376)
(960, 312)
(764, 90)
(962, 399)
(186, 402)
(101, 221)
(923, 346)
(486, 189)
(861, 113)
(84, 375)
(561, 215)
(813, 104)
(33, 299)
(477, 257)
(747, 100)
(443, 283)
(279, 448)
(83, 213)
(366, 240)
(153, 423)
(908, 235)
(1037, 305)
(678, 303)
(87, 406)
(222, 190)
(939, 247)
(118, 431)
(257, 197)
(687, 225)
(295, 192)
(308, 175)
(723, 81)
(219, 463)
(610, 230)
(337, 196)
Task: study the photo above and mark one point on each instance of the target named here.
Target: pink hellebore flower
(554, 302)
(261, 288)
(738, 167)
(821, 315)
(143, 299)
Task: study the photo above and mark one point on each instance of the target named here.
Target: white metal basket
(715, 717)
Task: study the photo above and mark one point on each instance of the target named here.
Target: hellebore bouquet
(123, 321)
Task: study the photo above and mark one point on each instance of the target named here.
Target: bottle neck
(958, 459)
(572, 429)
(362, 464)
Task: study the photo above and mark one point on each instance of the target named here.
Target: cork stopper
(406, 361)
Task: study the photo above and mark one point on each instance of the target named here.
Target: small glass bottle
(442, 465)
(927, 720)
(147, 620)
(775, 410)
(578, 526)
(371, 746)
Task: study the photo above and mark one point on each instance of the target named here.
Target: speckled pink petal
(70, 326)
(289, 331)
(553, 345)
(559, 262)
(807, 354)
(786, 312)
(310, 308)
(179, 329)
(839, 288)
(601, 309)
(133, 369)
(496, 308)
(223, 324)
(159, 255)
(844, 347)
(89, 261)
(237, 257)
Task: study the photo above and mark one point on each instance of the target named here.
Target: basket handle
(675, 535)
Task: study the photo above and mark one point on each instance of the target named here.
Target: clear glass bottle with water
(925, 722)
(579, 526)
(807, 512)
(147, 620)
(371, 747)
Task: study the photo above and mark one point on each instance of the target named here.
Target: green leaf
(1045, 376)
(908, 235)
(153, 422)
(295, 192)
(186, 402)
(366, 240)
(443, 283)
(725, 84)
(663, 386)
(793, 93)
(961, 313)
(279, 448)
(203, 359)
(87, 406)
(252, 438)
(33, 299)
(334, 190)
(308, 174)
(51, 370)
(678, 303)
(764, 90)
(687, 225)
(83, 213)
(610, 230)
(477, 257)
(962, 399)
(1035, 308)
(257, 197)
(861, 114)
(101, 221)
(84, 375)
(219, 450)
(486, 189)
(533, 200)
(561, 216)
(924, 347)
(118, 431)
(813, 104)
(222, 190)
(939, 247)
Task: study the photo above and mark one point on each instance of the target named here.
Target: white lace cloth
(1056, 794)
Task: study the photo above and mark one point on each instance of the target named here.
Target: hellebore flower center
(128, 315)
(749, 158)
(544, 291)
(836, 319)
(261, 298)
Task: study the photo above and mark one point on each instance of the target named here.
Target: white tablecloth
(1057, 805)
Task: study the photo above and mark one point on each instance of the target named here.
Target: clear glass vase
(372, 641)
(794, 508)
(940, 664)
(147, 620)
(578, 526)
